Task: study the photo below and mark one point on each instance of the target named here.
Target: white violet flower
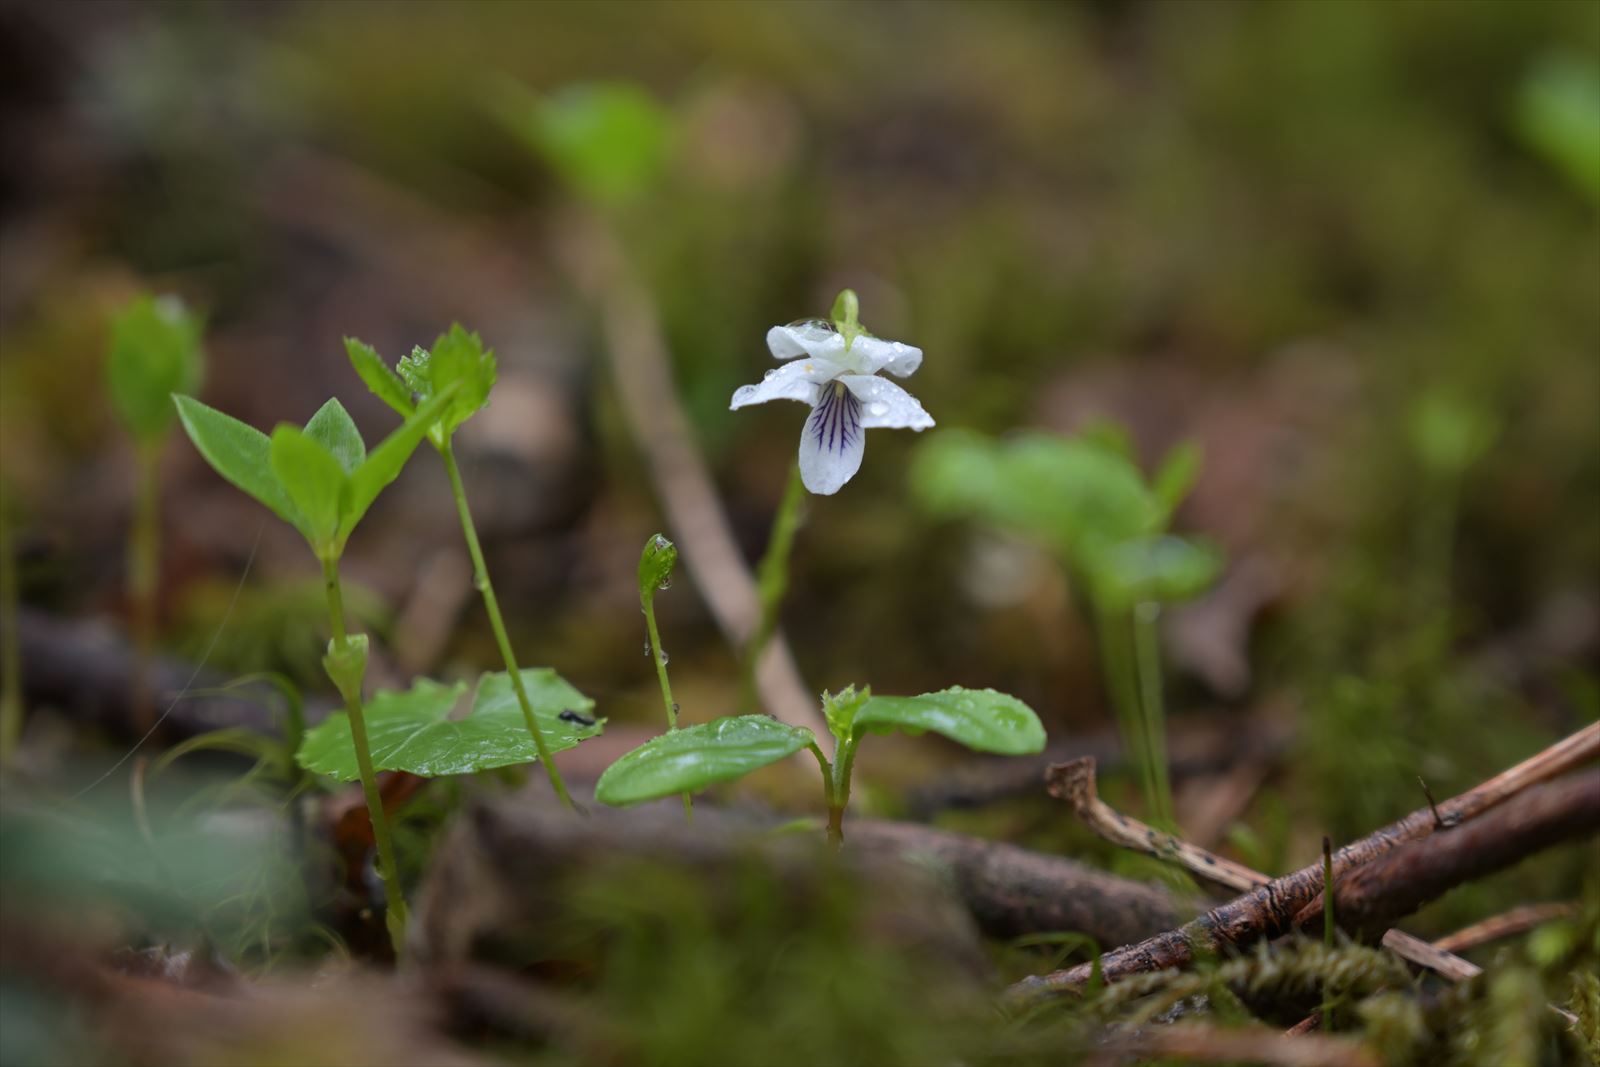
(846, 395)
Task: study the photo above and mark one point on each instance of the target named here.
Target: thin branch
(1271, 910)
(642, 368)
(1507, 924)
(1434, 956)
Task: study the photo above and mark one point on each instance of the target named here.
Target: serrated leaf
(412, 731)
(314, 482)
(154, 352)
(334, 428)
(981, 719)
(1162, 569)
(384, 383)
(458, 357)
(384, 463)
(239, 452)
(690, 759)
(655, 565)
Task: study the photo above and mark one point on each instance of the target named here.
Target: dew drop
(665, 659)
(647, 649)
(666, 583)
(769, 374)
(813, 324)
(878, 410)
(674, 707)
(743, 393)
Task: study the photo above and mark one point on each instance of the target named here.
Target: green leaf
(1176, 476)
(981, 719)
(690, 759)
(239, 452)
(655, 566)
(384, 382)
(1558, 114)
(608, 142)
(1450, 433)
(155, 352)
(333, 426)
(412, 731)
(314, 481)
(839, 709)
(384, 463)
(1072, 494)
(459, 357)
(1164, 569)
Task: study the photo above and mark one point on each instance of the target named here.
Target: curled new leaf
(695, 757)
(655, 566)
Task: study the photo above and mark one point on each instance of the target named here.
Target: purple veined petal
(884, 405)
(816, 339)
(792, 381)
(832, 442)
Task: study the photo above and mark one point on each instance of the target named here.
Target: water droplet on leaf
(666, 583)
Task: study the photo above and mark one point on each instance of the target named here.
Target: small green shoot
(656, 561)
(461, 370)
(154, 352)
(609, 142)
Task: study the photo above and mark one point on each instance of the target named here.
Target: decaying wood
(1271, 910)
(1193, 1043)
(1507, 924)
(502, 865)
(1398, 883)
(1074, 782)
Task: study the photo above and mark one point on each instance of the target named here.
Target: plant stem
(144, 562)
(647, 603)
(10, 649)
(388, 869)
(1147, 659)
(480, 578)
(1122, 687)
(844, 759)
(772, 577)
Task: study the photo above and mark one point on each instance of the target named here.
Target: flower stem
(480, 578)
(10, 649)
(1147, 659)
(387, 868)
(647, 602)
(772, 576)
(144, 555)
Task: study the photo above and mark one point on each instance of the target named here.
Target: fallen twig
(1507, 924)
(1271, 910)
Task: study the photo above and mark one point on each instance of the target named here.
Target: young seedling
(655, 574)
(1087, 500)
(154, 353)
(458, 361)
(698, 756)
(321, 480)
(837, 375)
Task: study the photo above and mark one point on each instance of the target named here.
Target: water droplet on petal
(769, 374)
(813, 324)
(743, 393)
(878, 409)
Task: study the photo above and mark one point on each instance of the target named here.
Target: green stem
(647, 602)
(388, 869)
(480, 578)
(1122, 687)
(144, 563)
(844, 760)
(10, 650)
(1147, 659)
(772, 583)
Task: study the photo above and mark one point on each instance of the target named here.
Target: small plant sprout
(154, 352)
(837, 375)
(655, 574)
(1087, 501)
(698, 756)
(458, 361)
(321, 480)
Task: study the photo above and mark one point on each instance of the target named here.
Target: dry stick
(643, 372)
(1507, 924)
(1209, 1044)
(1074, 782)
(1270, 911)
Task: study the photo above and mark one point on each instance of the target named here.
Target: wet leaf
(981, 719)
(695, 757)
(239, 452)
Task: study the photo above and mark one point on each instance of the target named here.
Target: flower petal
(792, 381)
(815, 338)
(884, 405)
(833, 441)
(869, 355)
